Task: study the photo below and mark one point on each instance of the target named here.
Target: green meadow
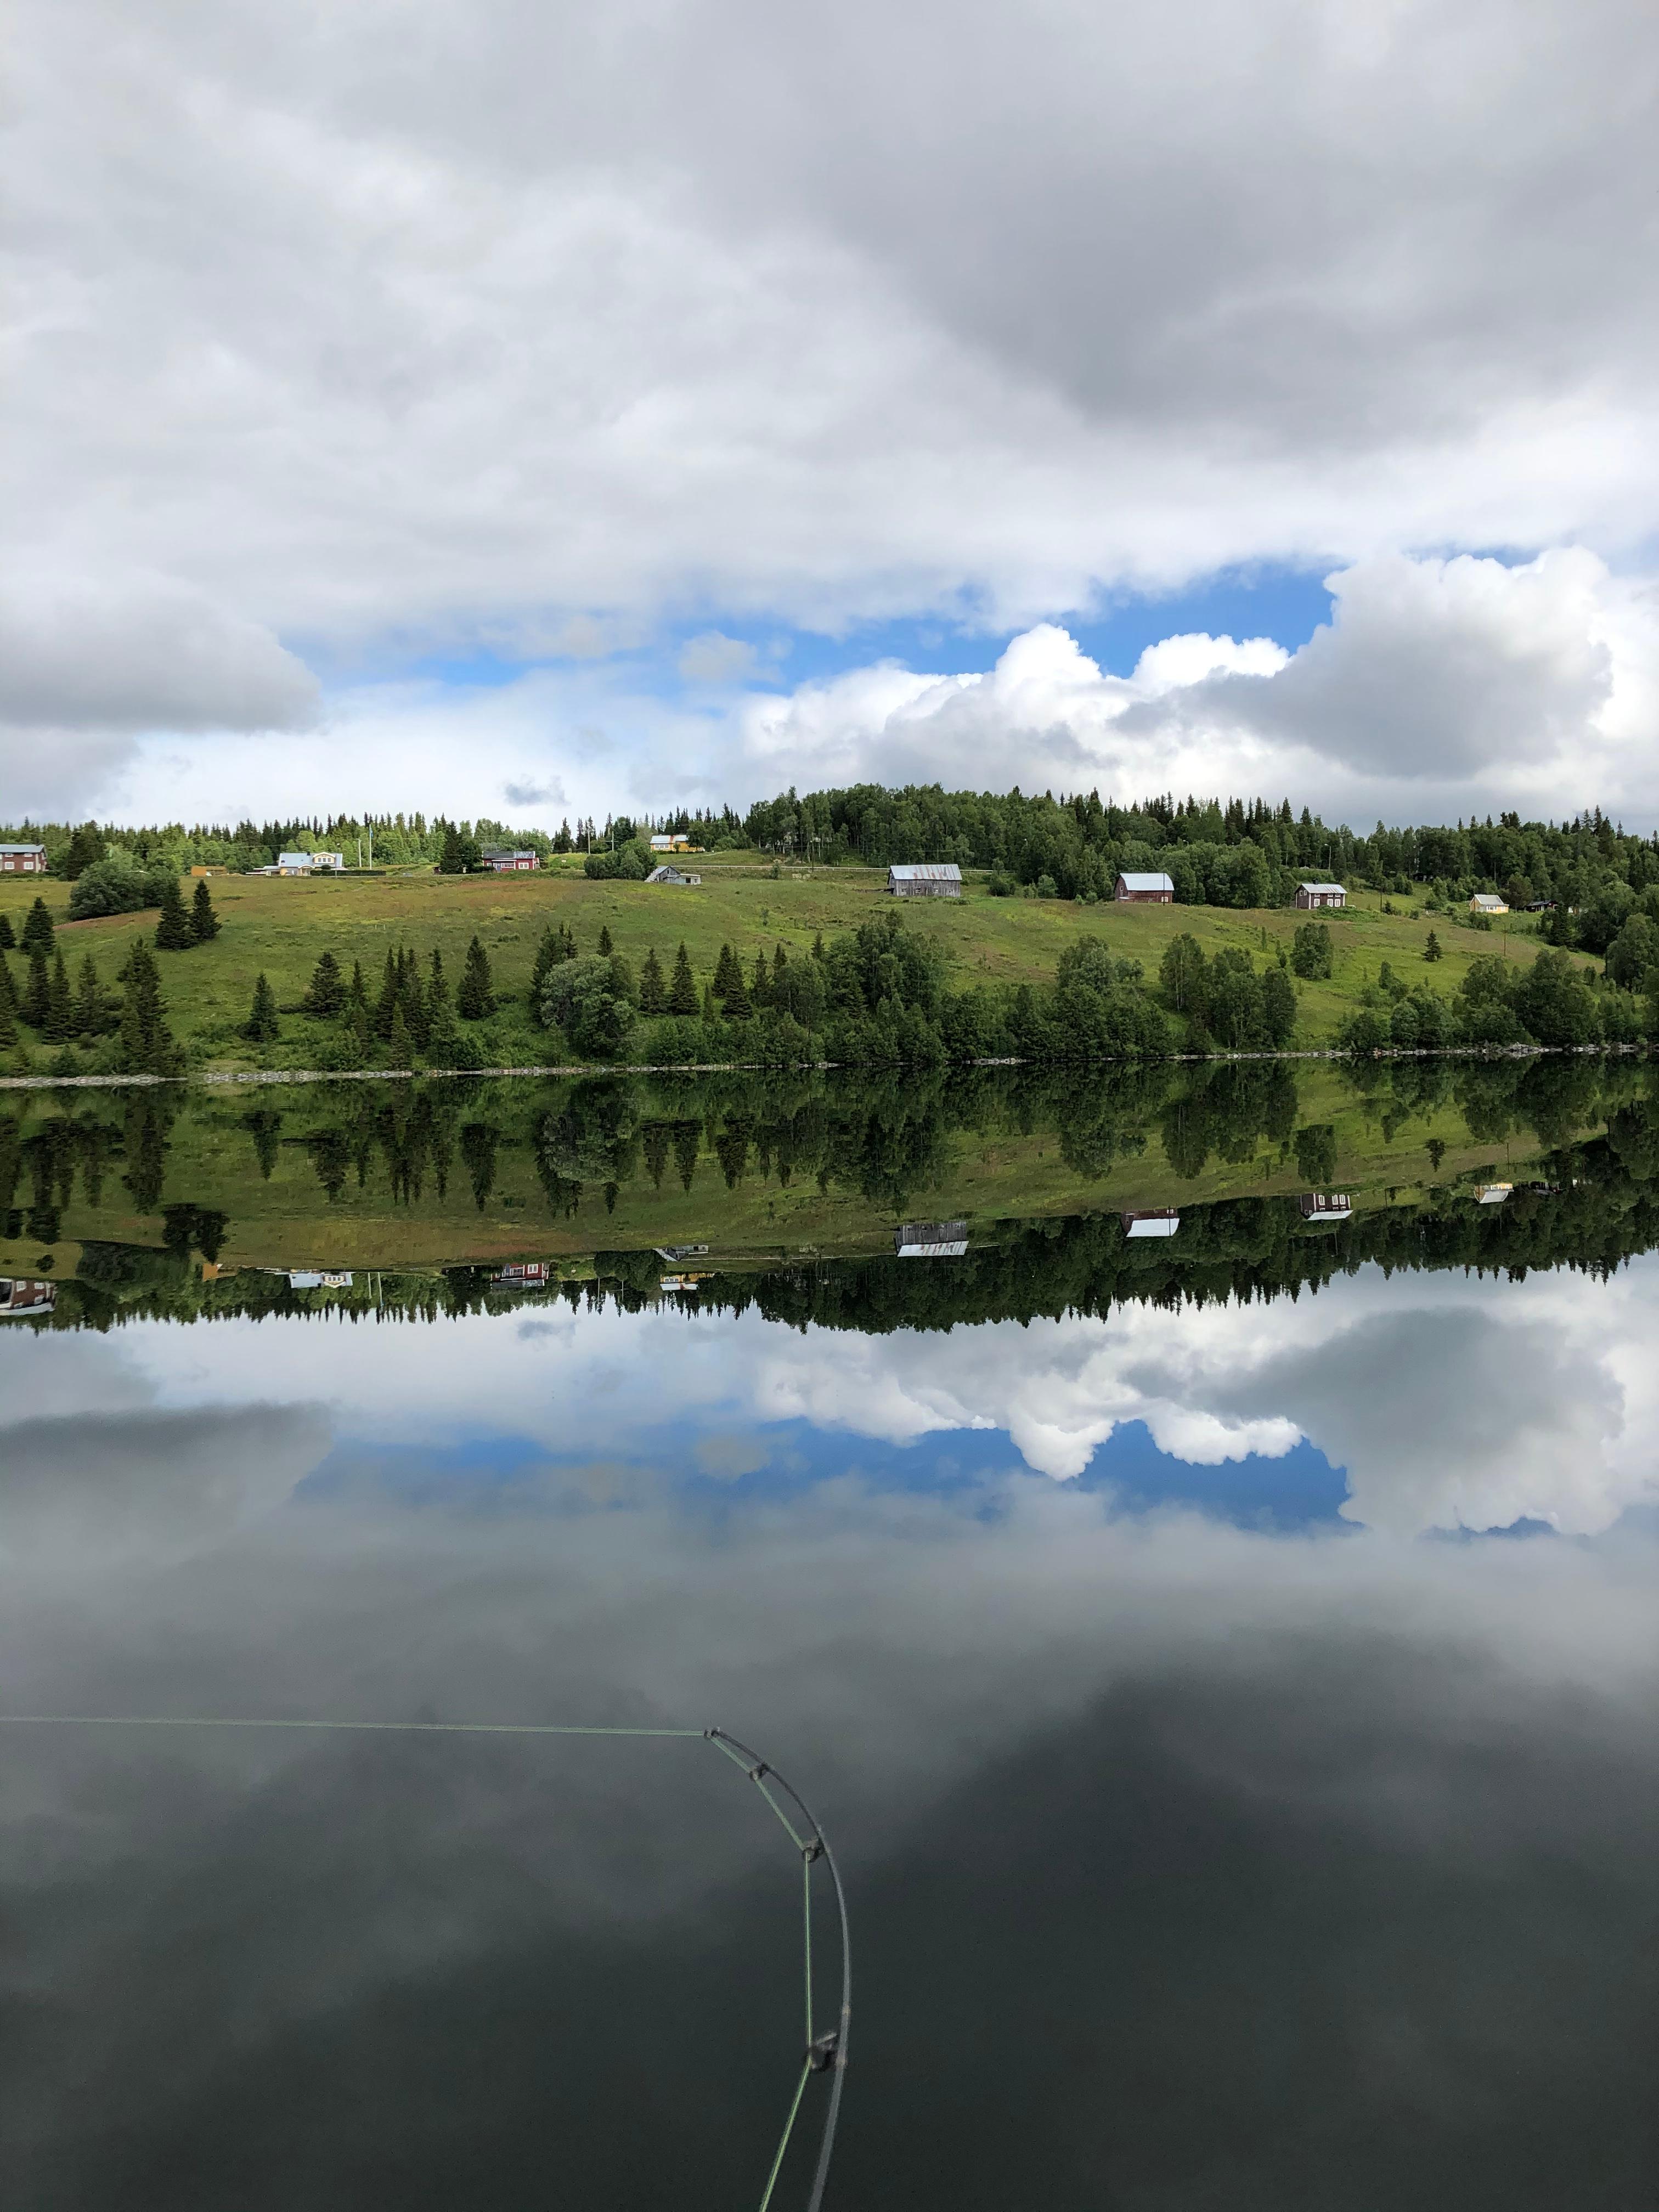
(278, 926)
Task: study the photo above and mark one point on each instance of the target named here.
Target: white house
(22, 859)
(667, 875)
(309, 864)
(1488, 902)
(926, 879)
(1152, 1221)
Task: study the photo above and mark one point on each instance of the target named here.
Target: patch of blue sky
(1284, 604)
(741, 1464)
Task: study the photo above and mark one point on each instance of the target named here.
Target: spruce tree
(8, 988)
(145, 1044)
(412, 999)
(59, 1026)
(437, 989)
(8, 935)
(654, 999)
(88, 1000)
(476, 1000)
(1432, 949)
(173, 931)
(356, 1022)
(606, 946)
(37, 928)
(9, 1030)
(737, 1005)
(325, 993)
(37, 991)
(85, 847)
(554, 949)
(264, 1126)
(760, 983)
(780, 963)
(817, 946)
(682, 991)
(204, 921)
(386, 1005)
(727, 971)
(398, 1043)
(262, 1026)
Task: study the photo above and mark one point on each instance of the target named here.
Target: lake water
(1189, 1535)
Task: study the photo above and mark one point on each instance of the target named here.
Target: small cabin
(1139, 888)
(666, 874)
(310, 864)
(22, 859)
(25, 1294)
(503, 861)
(926, 879)
(1488, 902)
(1325, 1205)
(665, 841)
(524, 1275)
(931, 1240)
(1320, 894)
(1491, 1194)
(1151, 1221)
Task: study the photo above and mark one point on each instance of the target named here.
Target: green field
(279, 925)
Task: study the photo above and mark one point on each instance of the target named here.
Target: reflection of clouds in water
(1451, 1401)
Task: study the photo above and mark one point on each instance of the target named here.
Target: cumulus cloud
(539, 332)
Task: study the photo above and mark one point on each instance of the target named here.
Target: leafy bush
(119, 884)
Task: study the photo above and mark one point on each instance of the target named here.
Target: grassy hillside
(279, 925)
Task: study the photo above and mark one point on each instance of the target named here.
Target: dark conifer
(654, 998)
(398, 1043)
(60, 1025)
(145, 1045)
(760, 983)
(387, 1006)
(37, 928)
(88, 1000)
(727, 971)
(653, 1144)
(437, 989)
(173, 931)
(779, 963)
(8, 988)
(262, 1026)
(7, 934)
(682, 991)
(204, 921)
(85, 847)
(687, 1135)
(817, 946)
(551, 951)
(737, 1005)
(37, 991)
(476, 1000)
(325, 993)
(9, 1030)
(607, 948)
(264, 1126)
(355, 1019)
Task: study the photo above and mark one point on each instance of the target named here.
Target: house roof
(22, 848)
(1485, 898)
(507, 852)
(926, 872)
(1140, 880)
(1339, 889)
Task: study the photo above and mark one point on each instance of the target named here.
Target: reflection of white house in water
(1325, 1205)
(1151, 1221)
(25, 1294)
(673, 1252)
(1491, 1194)
(931, 1240)
(318, 1279)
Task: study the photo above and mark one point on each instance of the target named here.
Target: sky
(528, 411)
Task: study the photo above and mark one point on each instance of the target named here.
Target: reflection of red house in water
(525, 1275)
(25, 1294)
(1325, 1205)
(1152, 1221)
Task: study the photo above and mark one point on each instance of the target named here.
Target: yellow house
(1487, 903)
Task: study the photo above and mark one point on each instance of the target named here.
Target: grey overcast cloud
(488, 406)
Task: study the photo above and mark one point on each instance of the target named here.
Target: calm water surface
(1222, 1654)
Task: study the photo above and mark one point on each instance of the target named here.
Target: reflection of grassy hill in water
(417, 1175)
(1596, 1207)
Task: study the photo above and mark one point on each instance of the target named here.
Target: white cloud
(714, 660)
(442, 324)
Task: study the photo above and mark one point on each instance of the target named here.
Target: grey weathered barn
(926, 879)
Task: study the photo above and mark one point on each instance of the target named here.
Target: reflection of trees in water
(1229, 1109)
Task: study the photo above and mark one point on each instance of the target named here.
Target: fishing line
(826, 2053)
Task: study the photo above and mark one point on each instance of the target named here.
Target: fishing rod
(825, 2052)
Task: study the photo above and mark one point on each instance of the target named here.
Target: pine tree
(817, 946)
(85, 847)
(37, 928)
(760, 983)
(88, 1000)
(654, 999)
(204, 921)
(780, 966)
(398, 1043)
(8, 988)
(37, 991)
(550, 954)
(737, 1005)
(686, 1136)
(386, 1005)
(412, 999)
(325, 993)
(653, 1144)
(727, 971)
(9, 1031)
(264, 1126)
(476, 1000)
(8, 935)
(682, 991)
(145, 1045)
(60, 1025)
(262, 1026)
(1432, 949)
(356, 1020)
(173, 931)
(606, 946)
(437, 989)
